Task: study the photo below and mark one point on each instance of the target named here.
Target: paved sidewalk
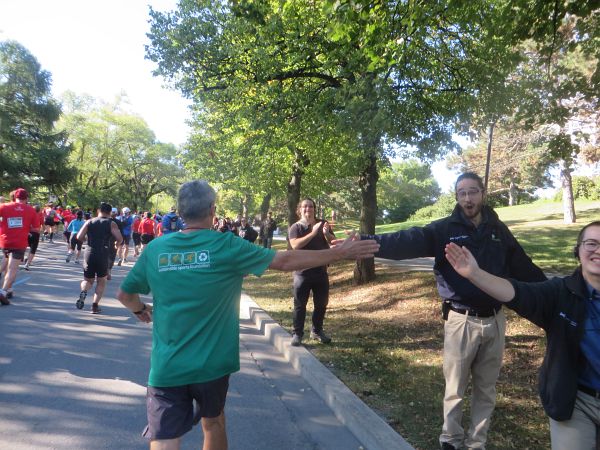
(73, 380)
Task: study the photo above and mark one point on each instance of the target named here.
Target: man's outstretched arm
(305, 259)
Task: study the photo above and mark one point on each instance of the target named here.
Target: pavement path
(73, 380)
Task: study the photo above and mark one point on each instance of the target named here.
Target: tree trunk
(567, 189)
(293, 196)
(488, 158)
(264, 206)
(364, 270)
(512, 193)
(244, 205)
(294, 185)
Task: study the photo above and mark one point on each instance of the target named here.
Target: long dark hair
(469, 176)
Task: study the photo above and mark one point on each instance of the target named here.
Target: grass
(388, 336)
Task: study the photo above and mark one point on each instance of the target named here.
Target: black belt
(471, 312)
(588, 391)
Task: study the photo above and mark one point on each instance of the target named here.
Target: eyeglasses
(469, 193)
(590, 245)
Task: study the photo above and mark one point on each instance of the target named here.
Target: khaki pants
(473, 348)
(580, 432)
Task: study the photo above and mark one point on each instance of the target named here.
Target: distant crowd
(140, 227)
(25, 225)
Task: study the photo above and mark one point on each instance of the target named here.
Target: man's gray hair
(195, 199)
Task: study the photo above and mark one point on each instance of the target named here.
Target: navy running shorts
(171, 411)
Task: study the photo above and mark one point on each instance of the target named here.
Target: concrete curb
(370, 429)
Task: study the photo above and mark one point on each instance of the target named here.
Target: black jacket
(559, 307)
(493, 245)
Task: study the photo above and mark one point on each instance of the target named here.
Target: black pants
(303, 285)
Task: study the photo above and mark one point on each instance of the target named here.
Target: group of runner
(23, 226)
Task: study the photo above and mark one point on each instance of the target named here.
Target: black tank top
(99, 234)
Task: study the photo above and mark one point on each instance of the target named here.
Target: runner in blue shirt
(127, 225)
(73, 228)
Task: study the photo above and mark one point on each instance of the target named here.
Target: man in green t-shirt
(195, 277)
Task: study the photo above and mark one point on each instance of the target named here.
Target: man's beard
(471, 212)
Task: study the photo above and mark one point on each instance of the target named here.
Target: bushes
(584, 188)
(442, 208)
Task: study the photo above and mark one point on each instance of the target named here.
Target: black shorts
(137, 240)
(126, 239)
(33, 240)
(75, 242)
(67, 235)
(49, 221)
(95, 265)
(171, 409)
(17, 253)
(147, 238)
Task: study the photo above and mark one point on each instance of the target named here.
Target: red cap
(21, 194)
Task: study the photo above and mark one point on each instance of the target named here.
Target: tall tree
(520, 160)
(32, 152)
(373, 74)
(117, 156)
(559, 78)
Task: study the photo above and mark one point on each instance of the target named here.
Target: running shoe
(9, 293)
(320, 336)
(3, 298)
(26, 267)
(119, 262)
(296, 340)
(69, 257)
(81, 301)
(96, 308)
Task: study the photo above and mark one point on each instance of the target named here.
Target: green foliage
(520, 161)
(295, 94)
(117, 157)
(441, 208)
(404, 188)
(585, 188)
(32, 153)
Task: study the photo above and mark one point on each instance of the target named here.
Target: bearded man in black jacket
(475, 324)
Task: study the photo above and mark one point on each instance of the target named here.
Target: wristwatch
(137, 313)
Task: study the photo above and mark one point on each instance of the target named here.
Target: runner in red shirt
(67, 216)
(34, 237)
(136, 234)
(159, 230)
(50, 221)
(18, 218)
(147, 229)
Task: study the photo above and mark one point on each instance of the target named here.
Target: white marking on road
(21, 281)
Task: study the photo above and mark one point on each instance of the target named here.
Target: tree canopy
(117, 156)
(32, 153)
(330, 88)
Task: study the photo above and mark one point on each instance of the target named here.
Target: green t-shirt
(196, 283)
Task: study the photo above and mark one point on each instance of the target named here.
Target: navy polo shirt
(589, 374)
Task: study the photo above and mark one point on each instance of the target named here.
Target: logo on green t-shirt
(183, 261)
